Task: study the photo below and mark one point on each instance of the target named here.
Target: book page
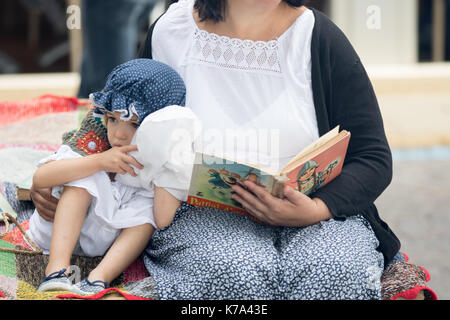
(315, 151)
(315, 145)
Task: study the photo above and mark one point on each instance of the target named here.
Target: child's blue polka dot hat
(139, 86)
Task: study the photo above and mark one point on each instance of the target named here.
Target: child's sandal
(56, 281)
(86, 287)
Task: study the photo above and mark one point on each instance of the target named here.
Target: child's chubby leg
(124, 251)
(69, 217)
(132, 241)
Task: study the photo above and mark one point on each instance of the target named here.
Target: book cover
(213, 177)
(313, 168)
(23, 189)
(319, 169)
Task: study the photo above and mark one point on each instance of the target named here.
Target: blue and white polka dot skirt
(211, 254)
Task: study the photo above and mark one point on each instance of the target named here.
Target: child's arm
(164, 207)
(59, 172)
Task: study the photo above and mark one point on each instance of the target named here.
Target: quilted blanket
(32, 130)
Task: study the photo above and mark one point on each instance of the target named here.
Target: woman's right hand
(118, 160)
(44, 202)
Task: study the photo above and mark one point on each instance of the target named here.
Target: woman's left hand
(295, 210)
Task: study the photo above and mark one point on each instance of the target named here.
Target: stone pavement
(417, 208)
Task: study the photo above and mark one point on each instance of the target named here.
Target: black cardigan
(343, 95)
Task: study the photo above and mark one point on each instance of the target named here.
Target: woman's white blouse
(254, 98)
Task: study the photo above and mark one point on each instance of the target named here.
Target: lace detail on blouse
(234, 53)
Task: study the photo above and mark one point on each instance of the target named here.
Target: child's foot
(85, 287)
(56, 281)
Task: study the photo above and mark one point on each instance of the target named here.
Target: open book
(312, 168)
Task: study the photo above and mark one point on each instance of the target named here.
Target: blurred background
(52, 46)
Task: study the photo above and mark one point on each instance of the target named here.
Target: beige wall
(391, 39)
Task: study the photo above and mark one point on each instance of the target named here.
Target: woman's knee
(346, 275)
(334, 270)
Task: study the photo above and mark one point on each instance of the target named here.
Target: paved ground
(417, 208)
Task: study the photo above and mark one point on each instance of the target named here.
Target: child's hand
(117, 160)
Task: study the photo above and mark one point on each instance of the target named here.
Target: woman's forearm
(59, 172)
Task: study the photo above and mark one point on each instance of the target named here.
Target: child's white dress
(128, 201)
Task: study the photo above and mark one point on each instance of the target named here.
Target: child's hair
(140, 87)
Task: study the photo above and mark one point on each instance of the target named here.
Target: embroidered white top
(254, 98)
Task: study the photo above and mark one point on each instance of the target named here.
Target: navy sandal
(86, 287)
(56, 281)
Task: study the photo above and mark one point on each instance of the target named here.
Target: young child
(98, 213)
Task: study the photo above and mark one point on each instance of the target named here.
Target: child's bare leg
(123, 252)
(69, 218)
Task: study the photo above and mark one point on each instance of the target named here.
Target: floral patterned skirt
(211, 254)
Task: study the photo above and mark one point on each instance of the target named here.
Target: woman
(275, 65)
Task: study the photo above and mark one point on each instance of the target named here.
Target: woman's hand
(295, 210)
(118, 160)
(44, 202)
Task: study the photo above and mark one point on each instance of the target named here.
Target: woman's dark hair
(214, 9)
